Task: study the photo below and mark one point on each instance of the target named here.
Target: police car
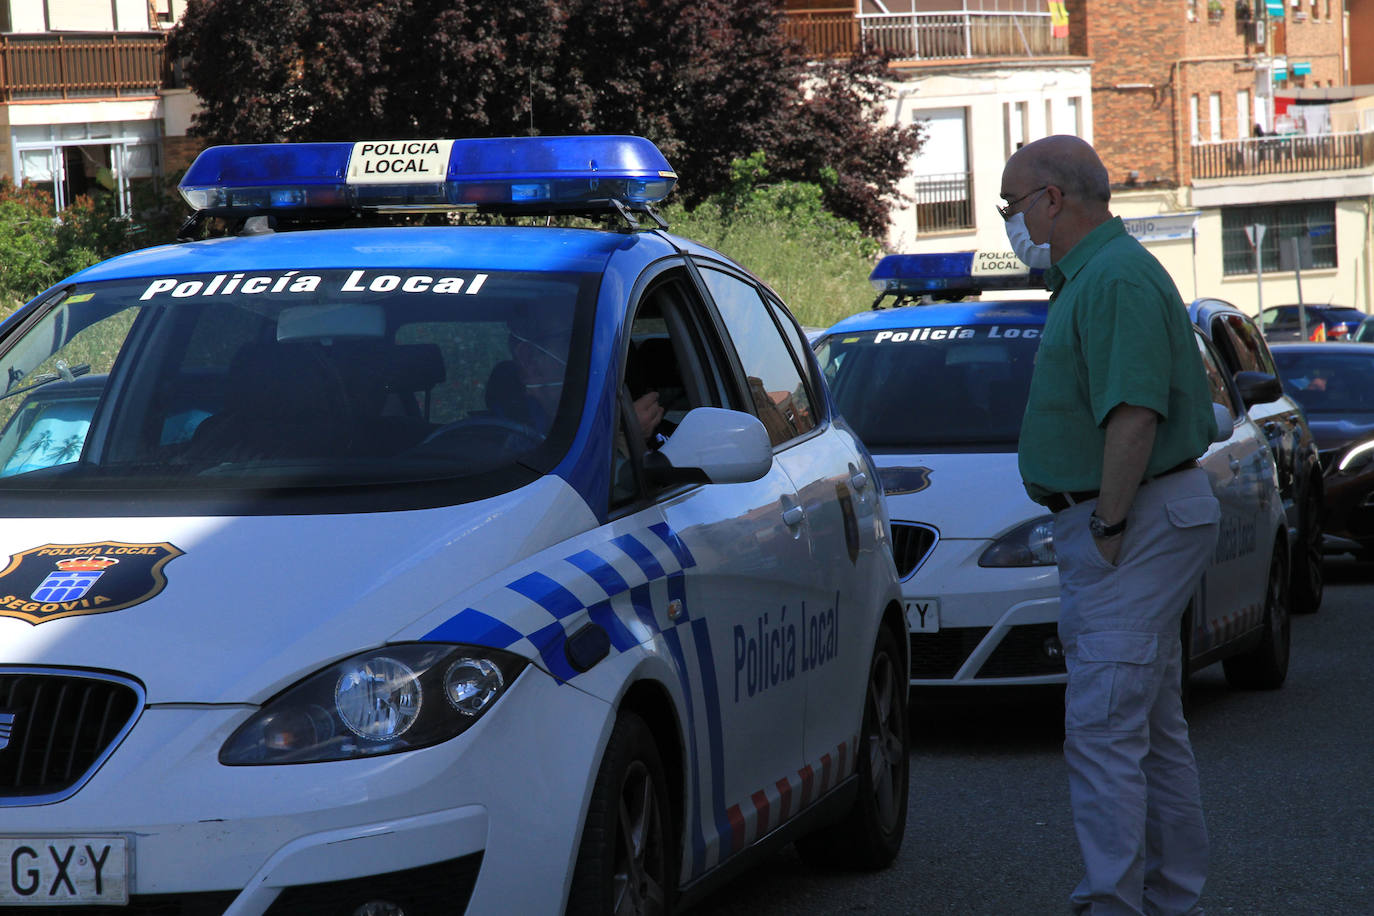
(412, 569)
(937, 391)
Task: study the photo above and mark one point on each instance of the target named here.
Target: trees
(709, 81)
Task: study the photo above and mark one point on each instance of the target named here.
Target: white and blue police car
(937, 389)
(394, 570)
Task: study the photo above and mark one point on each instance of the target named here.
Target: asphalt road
(1287, 780)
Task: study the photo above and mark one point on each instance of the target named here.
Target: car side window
(776, 387)
(800, 350)
(1251, 351)
(1216, 379)
(672, 365)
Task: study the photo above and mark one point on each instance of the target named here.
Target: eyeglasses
(1006, 212)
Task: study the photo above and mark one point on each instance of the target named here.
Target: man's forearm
(1130, 439)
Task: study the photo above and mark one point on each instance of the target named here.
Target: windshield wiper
(64, 373)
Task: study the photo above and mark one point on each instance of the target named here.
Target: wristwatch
(1101, 529)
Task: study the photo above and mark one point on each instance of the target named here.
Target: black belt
(1058, 502)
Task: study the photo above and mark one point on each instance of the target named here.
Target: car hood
(232, 610)
(1333, 433)
(972, 495)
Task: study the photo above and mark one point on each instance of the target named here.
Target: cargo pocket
(1193, 511)
(1112, 681)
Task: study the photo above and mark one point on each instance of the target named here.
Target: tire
(626, 863)
(1265, 666)
(1309, 579)
(870, 834)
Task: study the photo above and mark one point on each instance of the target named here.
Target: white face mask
(1033, 255)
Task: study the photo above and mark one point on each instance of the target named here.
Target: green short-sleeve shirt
(1117, 333)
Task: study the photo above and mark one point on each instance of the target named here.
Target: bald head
(1076, 195)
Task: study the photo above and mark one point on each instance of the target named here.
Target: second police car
(937, 391)
(432, 569)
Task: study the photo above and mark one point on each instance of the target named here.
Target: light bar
(535, 174)
(953, 274)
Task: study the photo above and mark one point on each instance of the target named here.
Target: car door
(1241, 472)
(834, 642)
(736, 605)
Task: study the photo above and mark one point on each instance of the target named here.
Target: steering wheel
(490, 426)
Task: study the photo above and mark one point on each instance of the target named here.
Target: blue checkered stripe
(624, 584)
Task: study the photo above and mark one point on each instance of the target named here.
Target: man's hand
(649, 413)
(1110, 548)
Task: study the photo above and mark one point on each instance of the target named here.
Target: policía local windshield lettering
(956, 333)
(293, 281)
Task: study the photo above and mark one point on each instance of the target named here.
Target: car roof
(944, 314)
(528, 248)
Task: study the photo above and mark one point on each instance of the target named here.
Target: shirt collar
(1067, 267)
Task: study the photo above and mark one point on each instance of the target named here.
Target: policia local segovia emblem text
(70, 580)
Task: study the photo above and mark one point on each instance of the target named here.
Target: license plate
(923, 615)
(63, 871)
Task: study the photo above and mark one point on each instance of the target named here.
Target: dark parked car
(1247, 358)
(1365, 332)
(1335, 385)
(1324, 322)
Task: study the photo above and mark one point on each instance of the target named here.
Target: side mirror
(1258, 387)
(1226, 422)
(713, 445)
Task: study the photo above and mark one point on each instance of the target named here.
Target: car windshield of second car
(932, 387)
(303, 378)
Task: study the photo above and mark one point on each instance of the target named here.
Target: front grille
(213, 904)
(939, 654)
(61, 725)
(441, 889)
(911, 544)
(1021, 653)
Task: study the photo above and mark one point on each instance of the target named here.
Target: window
(1014, 122)
(1194, 118)
(1243, 122)
(776, 387)
(1216, 379)
(672, 356)
(1309, 228)
(1238, 335)
(1076, 115)
(1214, 115)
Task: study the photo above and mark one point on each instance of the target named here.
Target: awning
(1301, 68)
(1274, 8)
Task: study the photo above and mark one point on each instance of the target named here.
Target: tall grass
(817, 262)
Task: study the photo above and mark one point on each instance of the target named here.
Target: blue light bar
(510, 174)
(953, 274)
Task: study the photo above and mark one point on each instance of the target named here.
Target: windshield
(933, 388)
(1328, 382)
(298, 379)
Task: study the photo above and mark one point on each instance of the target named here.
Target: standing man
(1119, 411)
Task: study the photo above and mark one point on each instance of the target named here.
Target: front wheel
(626, 865)
(870, 835)
(1266, 666)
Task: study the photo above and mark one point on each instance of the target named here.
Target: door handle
(792, 516)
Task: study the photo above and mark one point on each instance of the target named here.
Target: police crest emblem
(70, 580)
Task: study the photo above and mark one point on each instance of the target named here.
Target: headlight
(396, 698)
(1357, 459)
(1031, 544)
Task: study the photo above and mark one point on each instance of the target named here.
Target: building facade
(89, 103)
(1214, 118)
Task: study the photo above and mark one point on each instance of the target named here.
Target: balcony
(1282, 155)
(950, 35)
(943, 203)
(77, 66)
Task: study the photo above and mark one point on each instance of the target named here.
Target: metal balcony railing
(952, 35)
(1282, 155)
(944, 202)
(81, 65)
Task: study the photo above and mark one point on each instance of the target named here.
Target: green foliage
(38, 247)
(783, 232)
(709, 81)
